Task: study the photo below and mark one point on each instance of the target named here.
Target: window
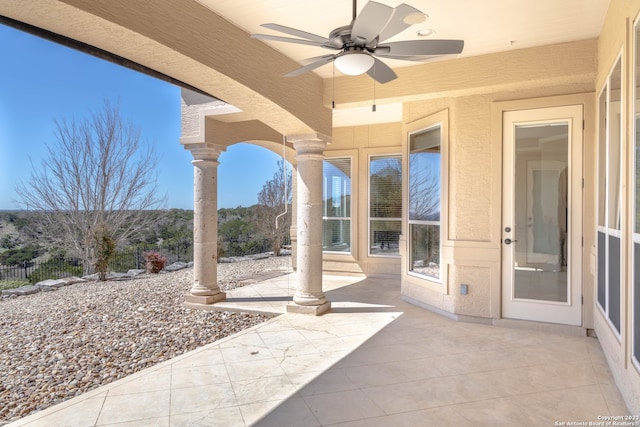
(385, 205)
(336, 216)
(609, 192)
(635, 291)
(424, 202)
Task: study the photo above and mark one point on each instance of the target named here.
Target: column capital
(309, 138)
(205, 151)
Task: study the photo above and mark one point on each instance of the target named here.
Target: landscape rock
(72, 280)
(135, 272)
(179, 265)
(57, 345)
(22, 290)
(50, 284)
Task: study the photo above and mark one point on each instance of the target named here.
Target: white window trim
(369, 218)
(352, 243)
(605, 229)
(439, 280)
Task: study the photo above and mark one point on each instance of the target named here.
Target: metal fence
(125, 260)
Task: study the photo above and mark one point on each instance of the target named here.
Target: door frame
(570, 313)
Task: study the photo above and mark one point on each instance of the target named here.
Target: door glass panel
(541, 210)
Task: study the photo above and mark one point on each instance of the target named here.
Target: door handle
(509, 241)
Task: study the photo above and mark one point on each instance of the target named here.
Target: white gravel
(57, 345)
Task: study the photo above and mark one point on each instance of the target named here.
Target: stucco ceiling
(486, 26)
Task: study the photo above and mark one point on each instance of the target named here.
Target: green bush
(11, 284)
(20, 255)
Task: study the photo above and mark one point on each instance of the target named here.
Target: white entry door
(542, 215)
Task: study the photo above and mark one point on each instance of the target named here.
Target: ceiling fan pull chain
(373, 108)
(333, 87)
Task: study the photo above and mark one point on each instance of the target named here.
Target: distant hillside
(26, 231)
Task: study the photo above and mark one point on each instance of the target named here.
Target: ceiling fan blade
(420, 48)
(396, 24)
(368, 24)
(297, 33)
(324, 60)
(381, 72)
(410, 58)
(317, 58)
(290, 40)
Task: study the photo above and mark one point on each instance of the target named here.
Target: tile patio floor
(373, 361)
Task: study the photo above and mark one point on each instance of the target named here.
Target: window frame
(634, 169)
(440, 280)
(352, 208)
(603, 208)
(370, 157)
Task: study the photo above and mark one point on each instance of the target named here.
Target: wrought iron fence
(124, 260)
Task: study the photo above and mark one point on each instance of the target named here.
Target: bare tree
(424, 194)
(275, 215)
(95, 182)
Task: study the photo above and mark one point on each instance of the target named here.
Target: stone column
(309, 297)
(293, 231)
(205, 288)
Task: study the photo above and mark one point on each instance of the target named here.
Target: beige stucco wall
(472, 99)
(617, 39)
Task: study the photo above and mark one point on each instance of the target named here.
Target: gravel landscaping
(59, 344)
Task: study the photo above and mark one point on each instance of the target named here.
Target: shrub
(20, 255)
(11, 284)
(105, 247)
(154, 262)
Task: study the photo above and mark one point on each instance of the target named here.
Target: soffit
(487, 26)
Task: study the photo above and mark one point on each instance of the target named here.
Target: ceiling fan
(360, 43)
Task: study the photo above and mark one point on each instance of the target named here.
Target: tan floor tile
(614, 399)
(198, 375)
(281, 337)
(254, 369)
(245, 353)
(202, 398)
(82, 414)
(429, 393)
(219, 417)
(263, 389)
(291, 412)
(135, 407)
(210, 356)
(342, 406)
(440, 417)
(151, 422)
(250, 338)
(153, 381)
(280, 351)
(326, 382)
(310, 362)
(571, 404)
(539, 378)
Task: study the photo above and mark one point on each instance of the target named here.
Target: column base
(205, 299)
(314, 310)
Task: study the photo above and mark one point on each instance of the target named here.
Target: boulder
(50, 284)
(135, 272)
(22, 290)
(176, 266)
(72, 280)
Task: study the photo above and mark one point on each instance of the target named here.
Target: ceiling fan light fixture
(354, 63)
(425, 32)
(415, 18)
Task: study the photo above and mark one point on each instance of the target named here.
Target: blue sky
(41, 81)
